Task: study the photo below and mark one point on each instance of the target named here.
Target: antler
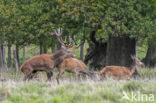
(75, 45)
(58, 32)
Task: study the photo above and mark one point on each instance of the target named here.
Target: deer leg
(25, 78)
(49, 75)
(103, 77)
(58, 76)
(77, 76)
(28, 76)
(34, 75)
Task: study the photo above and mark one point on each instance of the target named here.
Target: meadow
(110, 31)
(14, 90)
(141, 90)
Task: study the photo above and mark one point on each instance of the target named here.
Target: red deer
(120, 72)
(75, 66)
(46, 62)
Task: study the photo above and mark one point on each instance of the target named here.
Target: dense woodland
(113, 29)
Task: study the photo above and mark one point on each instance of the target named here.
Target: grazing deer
(75, 66)
(46, 62)
(119, 71)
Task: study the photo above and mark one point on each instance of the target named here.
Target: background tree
(150, 58)
(111, 28)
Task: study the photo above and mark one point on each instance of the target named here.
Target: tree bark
(15, 60)
(41, 48)
(81, 51)
(4, 57)
(96, 53)
(24, 53)
(97, 56)
(1, 60)
(1, 57)
(150, 59)
(9, 56)
(17, 53)
(119, 51)
(44, 49)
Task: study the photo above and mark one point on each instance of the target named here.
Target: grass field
(142, 90)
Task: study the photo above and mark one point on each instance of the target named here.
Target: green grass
(14, 90)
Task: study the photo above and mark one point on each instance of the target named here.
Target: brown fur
(120, 72)
(116, 71)
(44, 62)
(75, 66)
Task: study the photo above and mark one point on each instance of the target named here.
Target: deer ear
(133, 57)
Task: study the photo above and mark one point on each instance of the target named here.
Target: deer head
(137, 61)
(63, 53)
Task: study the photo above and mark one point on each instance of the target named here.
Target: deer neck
(58, 57)
(133, 68)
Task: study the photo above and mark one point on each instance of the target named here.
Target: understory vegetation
(14, 90)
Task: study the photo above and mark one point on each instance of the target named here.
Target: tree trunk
(150, 59)
(96, 53)
(3, 64)
(81, 51)
(99, 58)
(41, 48)
(15, 60)
(4, 57)
(9, 56)
(17, 53)
(1, 57)
(119, 51)
(23, 53)
(44, 49)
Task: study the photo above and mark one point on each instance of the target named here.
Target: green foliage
(32, 21)
(127, 18)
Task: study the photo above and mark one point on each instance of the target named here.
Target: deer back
(115, 71)
(38, 63)
(72, 64)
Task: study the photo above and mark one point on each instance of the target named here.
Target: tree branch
(93, 33)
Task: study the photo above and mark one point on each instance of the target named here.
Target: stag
(46, 62)
(120, 72)
(74, 65)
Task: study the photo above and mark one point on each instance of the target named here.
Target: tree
(123, 21)
(150, 58)
(106, 25)
(1, 57)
